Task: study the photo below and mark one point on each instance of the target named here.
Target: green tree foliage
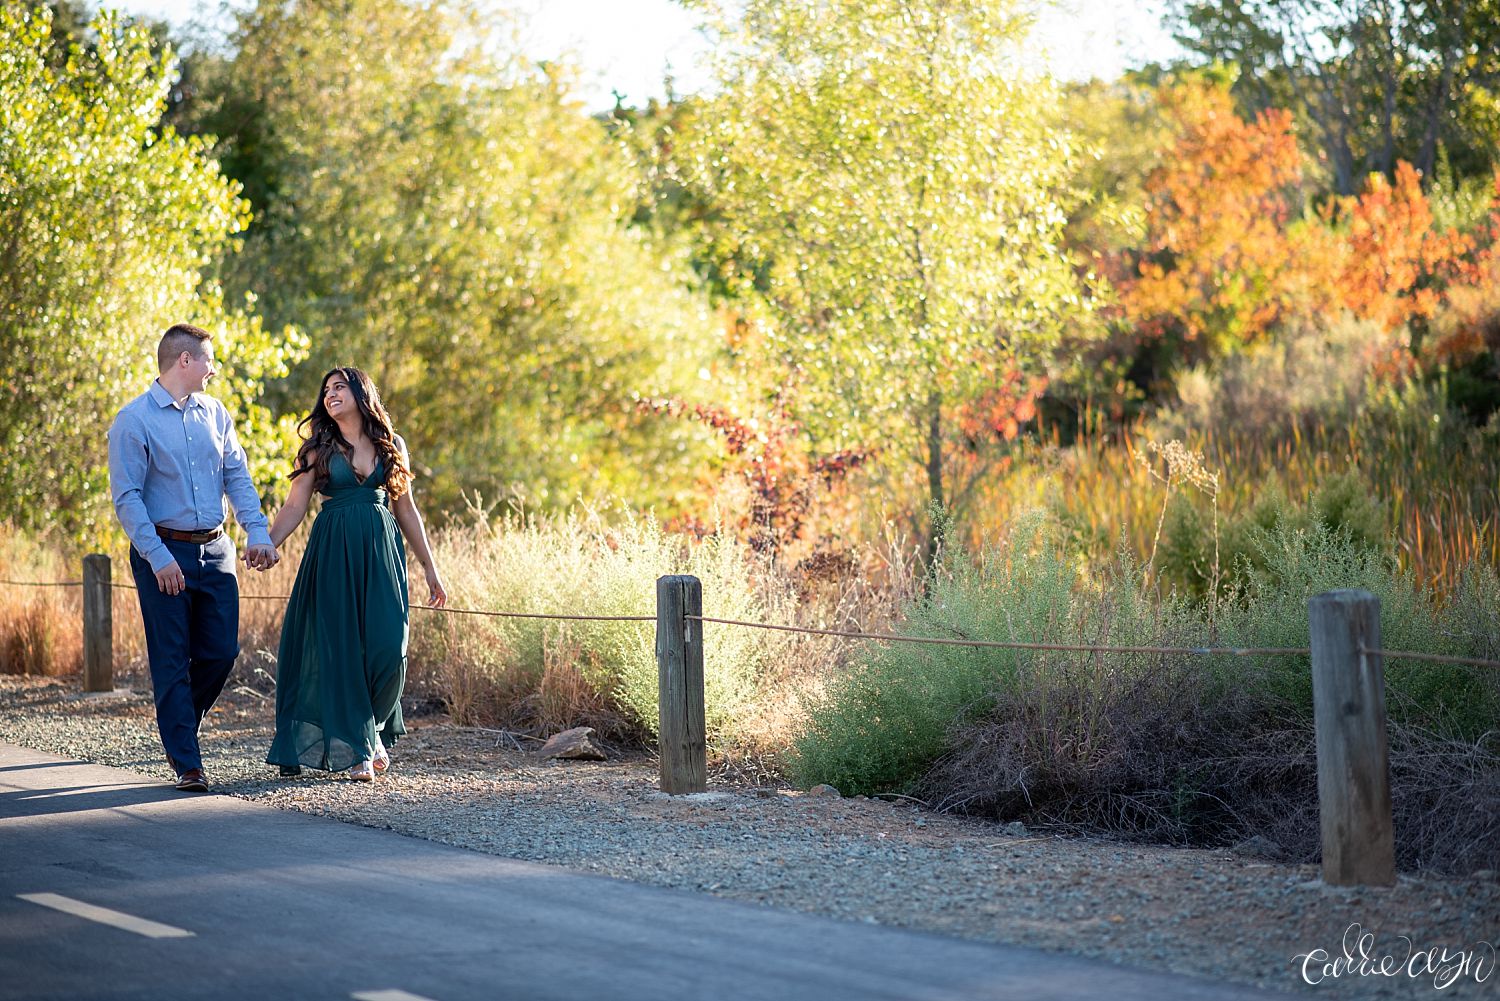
(438, 212)
(106, 226)
(1379, 80)
(888, 179)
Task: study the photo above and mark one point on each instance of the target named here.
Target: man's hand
(262, 557)
(169, 579)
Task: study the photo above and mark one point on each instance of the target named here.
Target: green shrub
(1341, 504)
(881, 726)
(1296, 562)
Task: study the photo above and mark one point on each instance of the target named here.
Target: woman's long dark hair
(321, 436)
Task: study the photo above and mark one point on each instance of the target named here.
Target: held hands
(437, 595)
(261, 557)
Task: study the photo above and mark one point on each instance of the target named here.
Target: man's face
(200, 367)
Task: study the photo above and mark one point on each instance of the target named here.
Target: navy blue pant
(192, 640)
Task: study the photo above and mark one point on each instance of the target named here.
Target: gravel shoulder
(1208, 913)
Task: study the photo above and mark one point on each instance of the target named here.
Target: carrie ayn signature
(1362, 957)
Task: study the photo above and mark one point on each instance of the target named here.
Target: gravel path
(1209, 913)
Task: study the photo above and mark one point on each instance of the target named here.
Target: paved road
(112, 886)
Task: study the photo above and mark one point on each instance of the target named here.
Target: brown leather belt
(202, 538)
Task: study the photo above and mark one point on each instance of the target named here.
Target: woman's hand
(437, 595)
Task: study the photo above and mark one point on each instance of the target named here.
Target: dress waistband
(355, 497)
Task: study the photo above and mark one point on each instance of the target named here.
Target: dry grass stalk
(41, 634)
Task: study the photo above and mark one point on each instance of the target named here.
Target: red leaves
(771, 458)
(1003, 409)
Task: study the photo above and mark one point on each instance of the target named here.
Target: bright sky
(629, 45)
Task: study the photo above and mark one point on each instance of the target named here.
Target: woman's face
(338, 398)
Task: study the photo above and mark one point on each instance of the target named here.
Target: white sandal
(363, 772)
(382, 759)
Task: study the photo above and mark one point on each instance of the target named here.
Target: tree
(890, 185)
(106, 227)
(439, 213)
(1217, 269)
(1380, 80)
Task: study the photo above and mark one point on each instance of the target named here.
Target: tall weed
(579, 565)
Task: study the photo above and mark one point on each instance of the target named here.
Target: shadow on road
(81, 798)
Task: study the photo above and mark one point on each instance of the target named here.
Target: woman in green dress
(342, 661)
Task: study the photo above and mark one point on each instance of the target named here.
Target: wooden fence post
(1354, 787)
(679, 664)
(98, 625)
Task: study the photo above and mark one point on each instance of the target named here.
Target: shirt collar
(164, 399)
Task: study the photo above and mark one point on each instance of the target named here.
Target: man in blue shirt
(173, 458)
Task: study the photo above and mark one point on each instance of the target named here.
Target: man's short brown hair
(180, 337)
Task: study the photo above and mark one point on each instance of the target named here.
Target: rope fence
(1348, 686)
(997, 645)
(1198, 651)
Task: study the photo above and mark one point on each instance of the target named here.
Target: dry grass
(41, 634)
(1434, 480)
(41, 628)
(538, 676)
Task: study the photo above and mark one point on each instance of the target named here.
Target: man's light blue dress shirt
(173, 465)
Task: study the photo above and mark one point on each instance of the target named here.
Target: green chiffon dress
(342, 662)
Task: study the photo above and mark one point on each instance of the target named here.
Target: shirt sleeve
(128, 461)
(240, 490)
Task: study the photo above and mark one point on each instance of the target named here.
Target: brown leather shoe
(192, 780)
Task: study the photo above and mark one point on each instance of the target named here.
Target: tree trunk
(935, 497)
(1436, 107)
(1389, 79)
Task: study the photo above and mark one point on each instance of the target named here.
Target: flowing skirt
(342, 660)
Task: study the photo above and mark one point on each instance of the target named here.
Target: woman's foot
(363, 772)
(382, 759)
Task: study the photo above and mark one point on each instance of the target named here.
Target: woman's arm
(410, 520)
(294, 510)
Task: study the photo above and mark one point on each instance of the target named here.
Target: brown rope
(538, 615)
(498, 615)
(1436, 658)
(425, 608)
(894, 638)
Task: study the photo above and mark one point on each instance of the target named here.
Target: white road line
(105, 916)
(388, 995)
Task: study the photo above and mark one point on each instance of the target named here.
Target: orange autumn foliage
(1469, 325)
(1000, 413)
(1216, 263)
(1384, 246)
(1230, 252)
